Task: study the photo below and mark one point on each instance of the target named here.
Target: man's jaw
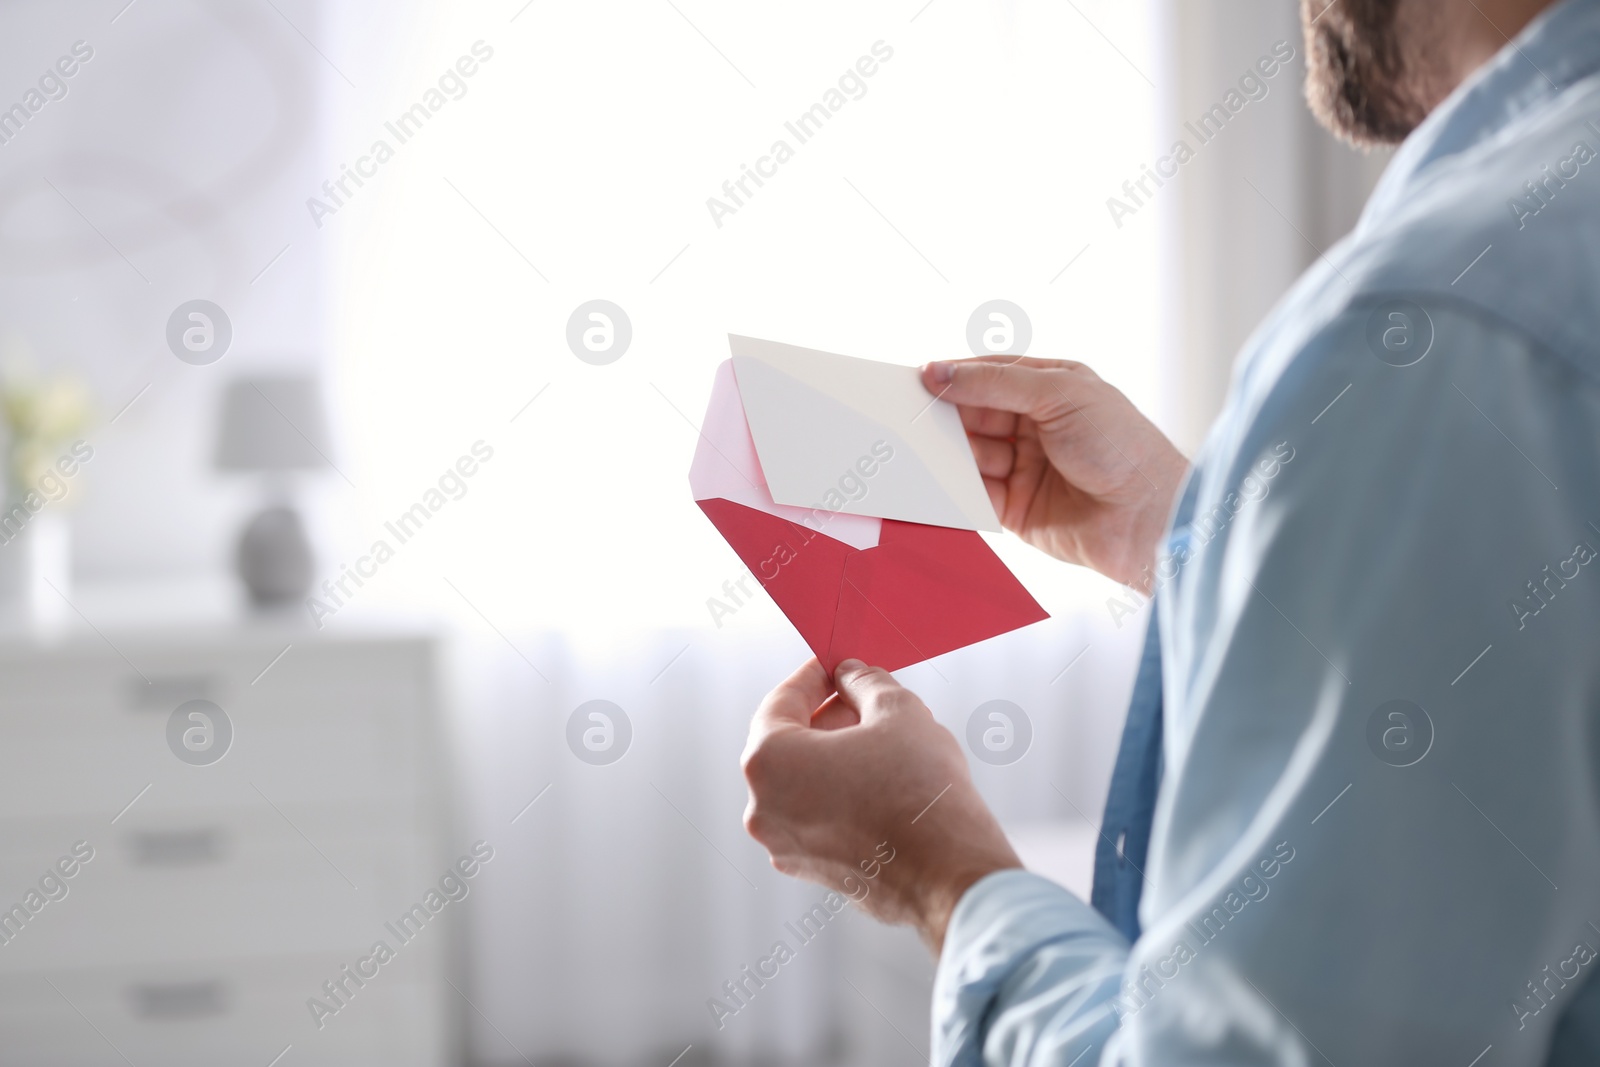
(1376, 68)
(1359, 82)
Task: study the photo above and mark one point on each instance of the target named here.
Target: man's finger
(995, 458)
(1030, 361)
(988, 422)
(999, 495)
(835, 714)
(792, 702)
(1026, 388)
(871, 691)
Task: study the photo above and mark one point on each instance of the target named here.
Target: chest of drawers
(221, 896)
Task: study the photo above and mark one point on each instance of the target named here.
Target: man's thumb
(864, 688)
(1015, 387)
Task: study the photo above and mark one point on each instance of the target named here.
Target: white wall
(188, 142)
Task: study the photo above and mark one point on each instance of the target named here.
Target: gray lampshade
(272, 424)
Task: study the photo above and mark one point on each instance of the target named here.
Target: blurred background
(346, 601)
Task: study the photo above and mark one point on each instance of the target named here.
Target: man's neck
(1453, 38)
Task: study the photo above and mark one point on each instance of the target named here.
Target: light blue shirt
(1377, 833)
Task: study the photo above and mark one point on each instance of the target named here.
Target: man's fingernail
(850, 665)
(941, 372)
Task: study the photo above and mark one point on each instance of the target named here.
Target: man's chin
(1356, 80)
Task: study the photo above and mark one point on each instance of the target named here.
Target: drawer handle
(176, 848)
(179, 1000)
(165, 692)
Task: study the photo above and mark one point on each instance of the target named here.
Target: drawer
(81, 732)
(310, 679)
(243, 1011)
(174, 887)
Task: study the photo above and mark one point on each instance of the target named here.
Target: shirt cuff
(1003, 920)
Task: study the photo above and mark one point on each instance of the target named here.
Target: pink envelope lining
(725, 465)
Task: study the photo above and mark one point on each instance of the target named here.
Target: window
(577, 161)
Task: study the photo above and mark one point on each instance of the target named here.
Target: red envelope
(889, 592)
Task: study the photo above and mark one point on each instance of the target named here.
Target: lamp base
(274, 557)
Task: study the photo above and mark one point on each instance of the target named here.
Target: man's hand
(835, 770)
(1072, 467)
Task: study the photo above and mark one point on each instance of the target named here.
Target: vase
(35, 566)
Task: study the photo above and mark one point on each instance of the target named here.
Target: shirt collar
(1559, 47)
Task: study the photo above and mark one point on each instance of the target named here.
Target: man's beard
(1357, 81)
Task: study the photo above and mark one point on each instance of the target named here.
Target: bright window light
(974, 163)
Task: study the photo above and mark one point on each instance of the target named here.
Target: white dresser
(220, 897)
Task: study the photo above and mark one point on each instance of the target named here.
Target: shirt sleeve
(1026, 975)
(1378, 838)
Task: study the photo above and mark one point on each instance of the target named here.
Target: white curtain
(619, 903)
(1260, 202)
(629, 893)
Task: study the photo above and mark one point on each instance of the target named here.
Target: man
(1356, 815)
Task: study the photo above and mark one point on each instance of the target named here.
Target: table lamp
(273, 428)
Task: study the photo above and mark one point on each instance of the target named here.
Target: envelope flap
(922, 592)
(859, 437)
